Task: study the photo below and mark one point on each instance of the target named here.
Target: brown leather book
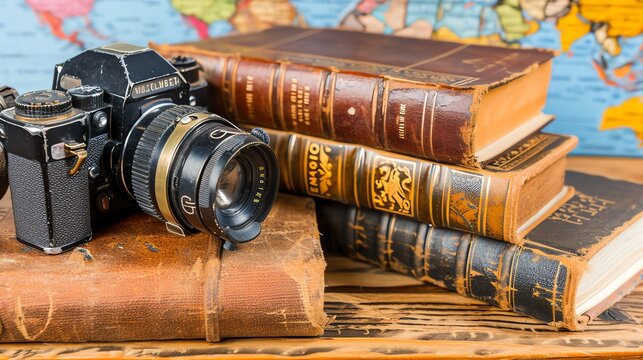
(514, 193)
(134, 281)
(569, 270)
(454, 103)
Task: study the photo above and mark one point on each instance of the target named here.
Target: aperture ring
(166, 159)
(154, 140)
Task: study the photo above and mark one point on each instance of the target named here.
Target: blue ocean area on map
(596, 90)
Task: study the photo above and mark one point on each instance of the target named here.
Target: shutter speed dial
(43, 104)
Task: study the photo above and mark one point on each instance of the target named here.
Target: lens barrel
(198, 172)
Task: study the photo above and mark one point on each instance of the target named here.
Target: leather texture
(135, 281)
(536, 279)
(416, 97)
(482, 202)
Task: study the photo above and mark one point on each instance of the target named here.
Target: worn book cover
(135, 281)
(514, 193)
(450, 102)
(567, 271)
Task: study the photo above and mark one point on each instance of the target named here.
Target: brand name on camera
(156, 86)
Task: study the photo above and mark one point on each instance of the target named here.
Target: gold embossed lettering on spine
(481, 202)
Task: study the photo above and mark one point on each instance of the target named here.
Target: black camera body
(124, 127)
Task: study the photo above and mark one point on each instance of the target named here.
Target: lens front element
(230, 185)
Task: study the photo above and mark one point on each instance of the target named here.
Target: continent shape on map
(244, 15)
(55, 12)
(513, 22)
(628, 114)
(386, 17)
(199, 14)
(489, 22)
(607, 21)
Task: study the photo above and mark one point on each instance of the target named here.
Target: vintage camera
(125, 127)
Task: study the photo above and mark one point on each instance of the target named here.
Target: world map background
(596, 91)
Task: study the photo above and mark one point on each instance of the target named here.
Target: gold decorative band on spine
(433, 178)
(505, 275)
(281, 78)
(233, 89)
(166, 159)
(271, 93)
(426, 97)
(461, 264)
(331, 102)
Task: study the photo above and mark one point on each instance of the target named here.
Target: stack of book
(430, 162)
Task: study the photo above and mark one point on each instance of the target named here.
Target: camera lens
(198, 172)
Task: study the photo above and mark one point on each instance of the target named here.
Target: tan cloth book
(135, 281)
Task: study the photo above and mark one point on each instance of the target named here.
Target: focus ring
(205, 192)
(143, 164)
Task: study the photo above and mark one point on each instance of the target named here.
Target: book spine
(418, 189)
(501, 274)
(121, 303)
(417, 119)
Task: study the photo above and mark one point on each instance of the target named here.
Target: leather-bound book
(135, 281)
(515, 191)
(450, 102)
(568, 270)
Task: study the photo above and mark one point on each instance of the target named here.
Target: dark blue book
(567, 271)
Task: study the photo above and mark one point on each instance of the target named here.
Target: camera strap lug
(174, 229)
(78, 150)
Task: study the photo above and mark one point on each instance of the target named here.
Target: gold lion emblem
(393, 185)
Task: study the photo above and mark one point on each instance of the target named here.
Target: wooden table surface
(377, 314)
